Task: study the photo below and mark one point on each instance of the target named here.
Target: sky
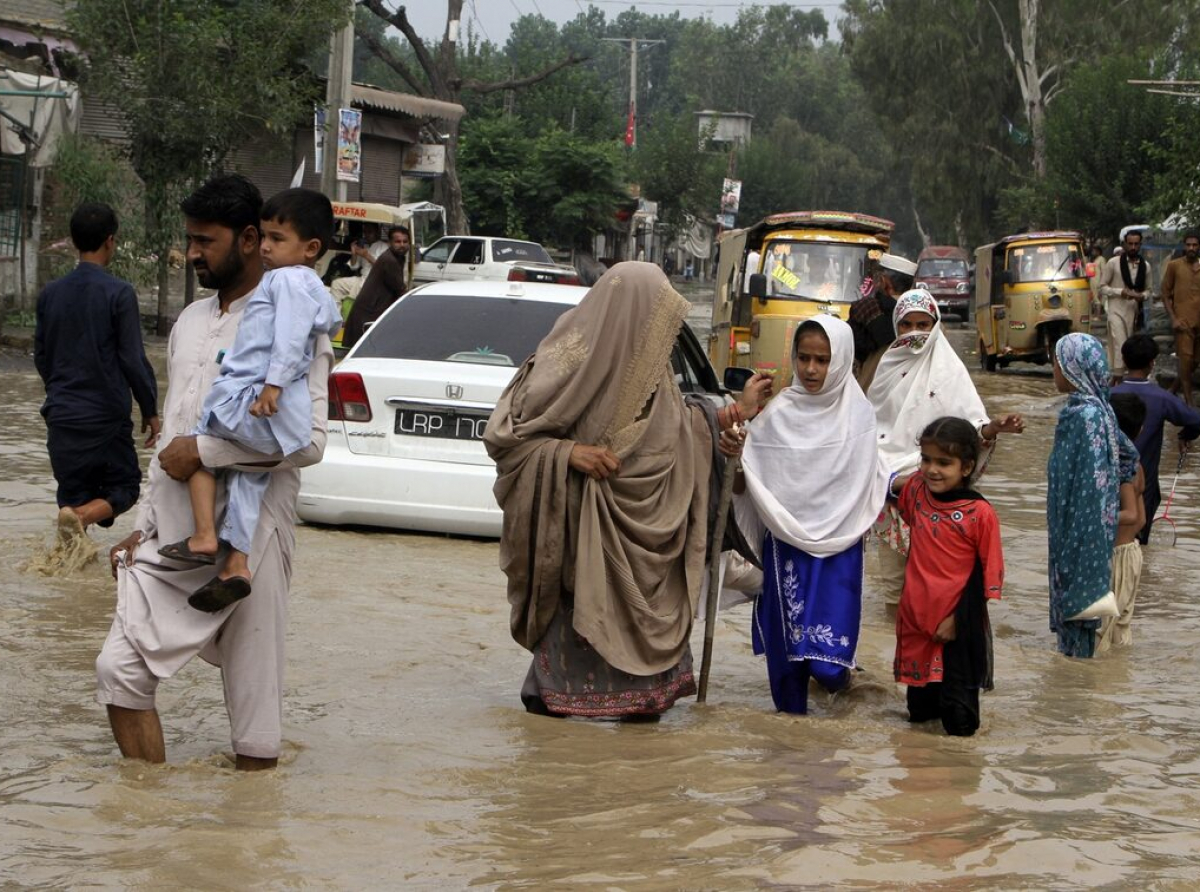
(494, 18)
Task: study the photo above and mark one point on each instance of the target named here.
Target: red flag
(631, 127)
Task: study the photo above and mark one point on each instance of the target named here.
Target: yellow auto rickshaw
(1030, 289)
(775, 274)
(350, 221)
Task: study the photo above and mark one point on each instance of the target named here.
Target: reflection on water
(410, 762)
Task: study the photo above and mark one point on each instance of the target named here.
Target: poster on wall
(349, 145)
(731, 196)
(726, 221)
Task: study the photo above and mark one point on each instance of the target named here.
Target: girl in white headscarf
(812, 484)
(919, 380)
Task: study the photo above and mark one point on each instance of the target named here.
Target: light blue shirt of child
(275, 344)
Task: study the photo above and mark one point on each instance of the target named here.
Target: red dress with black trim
(952, 537)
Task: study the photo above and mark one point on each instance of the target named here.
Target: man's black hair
(1130, 412)
(228, 200)
(91, 225)
(1191, 234)
(307, 211)
(1139, 352)
(403, 229)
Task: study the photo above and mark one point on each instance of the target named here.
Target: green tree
(192, 79)
(438, 74)
(88, 169)
(577, 185)
(1101, 172)
(495, 153)
(1175, 152)
(557, 188)
(964, 90)
(673, 170)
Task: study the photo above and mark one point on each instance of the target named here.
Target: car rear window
(505, 251)
(460, 328)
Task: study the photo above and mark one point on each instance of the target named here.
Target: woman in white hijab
(812, 484)
(919, 380)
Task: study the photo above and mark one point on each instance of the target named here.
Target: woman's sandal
(217, 594)
(179, 551)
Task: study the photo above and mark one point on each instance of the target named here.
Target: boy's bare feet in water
(69, 525)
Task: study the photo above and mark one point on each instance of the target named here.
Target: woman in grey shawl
(603, 476)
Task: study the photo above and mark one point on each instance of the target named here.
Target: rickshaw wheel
(987, 362)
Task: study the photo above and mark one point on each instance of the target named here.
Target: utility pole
(338, 92)
(635, 43)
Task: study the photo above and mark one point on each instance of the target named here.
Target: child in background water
(1131, 519)
(955, 564)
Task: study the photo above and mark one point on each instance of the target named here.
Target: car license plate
(446, 424)
(537, 276)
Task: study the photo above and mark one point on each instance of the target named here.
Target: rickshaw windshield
(1045, 263)
(810, 271)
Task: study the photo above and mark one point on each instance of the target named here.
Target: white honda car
(409, 404)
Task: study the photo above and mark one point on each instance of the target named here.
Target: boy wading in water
(261, 398)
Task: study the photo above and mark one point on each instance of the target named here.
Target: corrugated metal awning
(406, 103)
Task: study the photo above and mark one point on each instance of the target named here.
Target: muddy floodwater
(409, 762)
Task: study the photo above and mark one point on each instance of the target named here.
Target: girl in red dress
(955, 564)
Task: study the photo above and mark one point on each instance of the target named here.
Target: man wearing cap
(1124, 286)
(871, 316)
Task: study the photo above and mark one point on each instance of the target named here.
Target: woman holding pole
(604, 479)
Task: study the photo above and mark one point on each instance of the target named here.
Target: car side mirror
(758, 286)
(737, 378)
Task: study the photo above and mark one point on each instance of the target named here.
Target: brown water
(410, 763)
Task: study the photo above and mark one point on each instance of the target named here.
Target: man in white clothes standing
(1124, 287)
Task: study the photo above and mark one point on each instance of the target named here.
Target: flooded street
(409, 761)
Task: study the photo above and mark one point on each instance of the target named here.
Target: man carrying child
(154, 632)
(261, 398)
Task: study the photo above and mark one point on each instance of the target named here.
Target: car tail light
(570, 280)
(348, 397)
(517, 275)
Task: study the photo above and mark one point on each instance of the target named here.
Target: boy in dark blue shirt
(1139, 353)
(88, 350)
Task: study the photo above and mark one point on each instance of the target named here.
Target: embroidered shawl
(631, 548)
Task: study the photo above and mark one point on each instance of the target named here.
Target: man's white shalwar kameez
(155, 632)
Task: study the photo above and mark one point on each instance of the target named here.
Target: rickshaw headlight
(1054, 301)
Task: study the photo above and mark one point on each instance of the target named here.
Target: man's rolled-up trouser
(1122, 322)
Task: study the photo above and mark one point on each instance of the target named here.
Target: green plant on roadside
(87, 169)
